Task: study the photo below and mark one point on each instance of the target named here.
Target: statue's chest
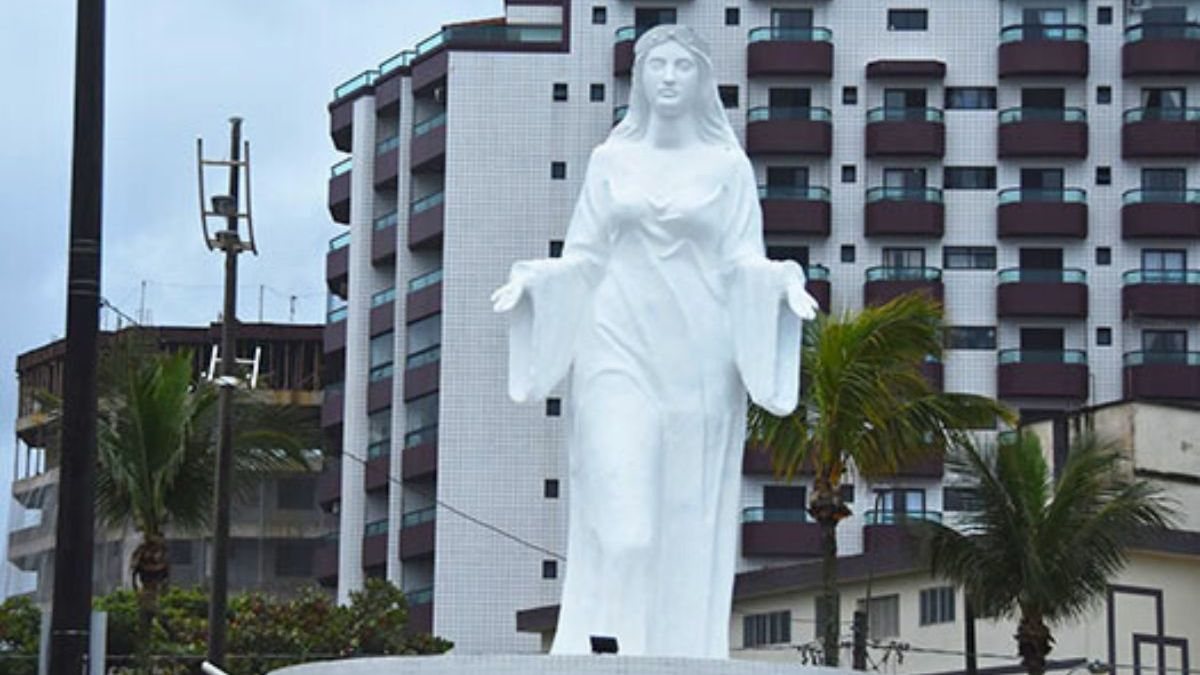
(692, 209)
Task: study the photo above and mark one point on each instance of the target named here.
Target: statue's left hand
(800, 302)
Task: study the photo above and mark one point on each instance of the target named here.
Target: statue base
(551, 665)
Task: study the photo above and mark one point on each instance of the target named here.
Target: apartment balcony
(923, 69)
(34, 489)
(426, 221)
(626, 36)
(383, 311)
(387, 162)
(1149, 133)
(1027, 212)
(789, 131)
(786, 533)
(905, 132)
(325, 561)
(1061, 293)
(428, 150)
(383, 239)
(388, 83)
(905, 212)
(1161, 49)
(329, 486)
(339, 191)
(422, 372)
(1037, 50)
(1043, 132)
(1170, 214)
(420, 455)
(789, 52)
(817, 284)
(893, 530)
(334, 336)
(378, 458)
(374, 548)
(795, 210)
(1043, 373)
(424, 296)
(885, 283)
(337, 265)
(420, 611)
(341, 124)
(331, 407)
(379, 390)
(1162, 375)
(417, 534)
(1161, 294)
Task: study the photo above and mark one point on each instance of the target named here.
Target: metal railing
(375, 528)
(402, 60)
(896, 273)
(1161, 114)
(341, 167)
(1066, 32)
(806, 193)
(887, 114)
(412, 518)
(336, 315)
(381, 372)
(904, 194)
(387, 220)
(1012, 115)
(1144, 357)
(1070, 356)
(1161, 196)
(420, 596)
(786, 34)
(619, 113)
(340, 241)
(768, 113)
(1163, 31)
(498, 35)
(900, 517)
(1067, 275)
(379, 448)
(427, 202)
(421, 436)
(390, 143)
(423, 357)
(816, 272)
(425, 280)
(429, 124)
(1051, 195)
(383, 297)
(762, 514)
(364, 79)
(1151, 276)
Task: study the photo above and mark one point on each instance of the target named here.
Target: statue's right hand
(507, 296)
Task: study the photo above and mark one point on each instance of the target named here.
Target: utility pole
(229, 242)
(71, 610)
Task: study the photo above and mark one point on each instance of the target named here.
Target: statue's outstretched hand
(800, 302)
(507, 296)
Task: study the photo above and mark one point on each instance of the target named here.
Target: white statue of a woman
(668, 311)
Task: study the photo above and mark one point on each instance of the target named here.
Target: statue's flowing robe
(669, 313)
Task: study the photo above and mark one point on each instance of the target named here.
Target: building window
(382, 349)
(960, 499)
(293, 559)
(556, 248)
(554, 407)
(969, 178)
(908, 19)
(1104, 95)
(969, 257)
(179, 552)
(849, 173)
(1103, 175)
(970, 98)
(1104, 16)
(850, 95)
(733, 16)
(550, 488)
(596, 93)
(1103, 255)
(1103, 336)
(549, 569)
(883, 616)
(971, 337)
(560, 91)
(599, 15)
(296, 494)
(729, 95)
(1164, 343)
(847, 253)
(558, 170)
(937, 605)
(847, 493)
(772, 628)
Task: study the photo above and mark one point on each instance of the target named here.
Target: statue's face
(670, 79)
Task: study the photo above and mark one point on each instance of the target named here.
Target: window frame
(988, 173)
(982, 95)
(902, 19)
(981, 257)
(936, 605)
(970, 338)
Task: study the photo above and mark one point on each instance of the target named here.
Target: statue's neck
(671, 132)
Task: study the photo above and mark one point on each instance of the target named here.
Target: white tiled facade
(503, 130)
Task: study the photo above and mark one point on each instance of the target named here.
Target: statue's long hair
(708, 112)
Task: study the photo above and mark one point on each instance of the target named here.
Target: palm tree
(865, 403)
(1039, 548)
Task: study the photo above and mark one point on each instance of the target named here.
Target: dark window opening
(907, 19)
(971, 337)
(554, 407)
(970, 98)
(1104, 336)
(733, 16)
(560, 91)
(729, 95)
(558, 170)
(1103, 255)
(1103, 95)
(1104, 16)
(550, 488)
(1103, 175)
(849, 173)
(969, 257)
(599, 15)
(549, 569)
(847, 253)
(969, 178)
(596, 93)
(850, 95)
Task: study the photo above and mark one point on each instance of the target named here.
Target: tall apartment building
(1025, 162)
(275, 528)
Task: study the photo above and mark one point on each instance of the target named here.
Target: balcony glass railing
(904, 194)
(1051, 195)
(413, 518)
(816, 272)
(1016, 275)
(619, 113)
(425, 280)
(363, 79)
(1161, 114)
(422, 436)
(1163, 31)
(423, 358)
(1066, 32)
(900, 517)
(805, 193)
(1012, 115)
(761, 514)
(402, 60)
(777, 113)
(1161, 196)
(1180, 358)
(895, 273)
(886, 114)
(379, 448)
(420, 596)
(390, 143)
(630, 33)
(337, 314)
(428, 202)
(387, 295)
(429, 124)
(1071, 356)
(783, 34)
(385, 221)
(340, 241)
(341, 167)
(1145, 276)
(376, 528)
(381, 372)
(497, 35)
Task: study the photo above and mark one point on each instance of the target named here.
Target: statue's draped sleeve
(558, 295)
(766, 331)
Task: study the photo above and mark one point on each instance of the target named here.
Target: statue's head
(673, 77)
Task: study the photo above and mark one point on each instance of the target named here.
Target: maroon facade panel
(912, 68)
(1161, 301)
(881, 538)
(1042, 380)
(325, 562)
(804, 58)
(387, 92)
(387, 169)
(879, 292)
(756, 462)
(422, 380)
(927, 467)
(430, 72)
(339, 198)
(420, 618)
(329, 485)
(374, 551)
(1160, 57)
(335, 337)
(428, 151)
(376, 473)
(1160, 138)
(1029, 298)
(425, 228)
(337, 270)
(789, 137)
(1050, 58)
(781, 539)
(1042, 219)
(796, 216)
(420, 461)
(1178, 220)
(905, 219)
(423, 303)
(379, 394)
(623, 57)
(383, 318)
(383, 245)
(1043, 138)
(331, 409)
(906, 139)
(820, 290)
(935, 374)
(341, 124)
(1162, 380)
(417, 541)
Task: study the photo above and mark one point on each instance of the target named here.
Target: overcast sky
(177, 70)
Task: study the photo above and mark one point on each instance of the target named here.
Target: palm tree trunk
(827, 509)
(151, 568)
(1033, 643)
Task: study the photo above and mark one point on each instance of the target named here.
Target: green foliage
(20, 623)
